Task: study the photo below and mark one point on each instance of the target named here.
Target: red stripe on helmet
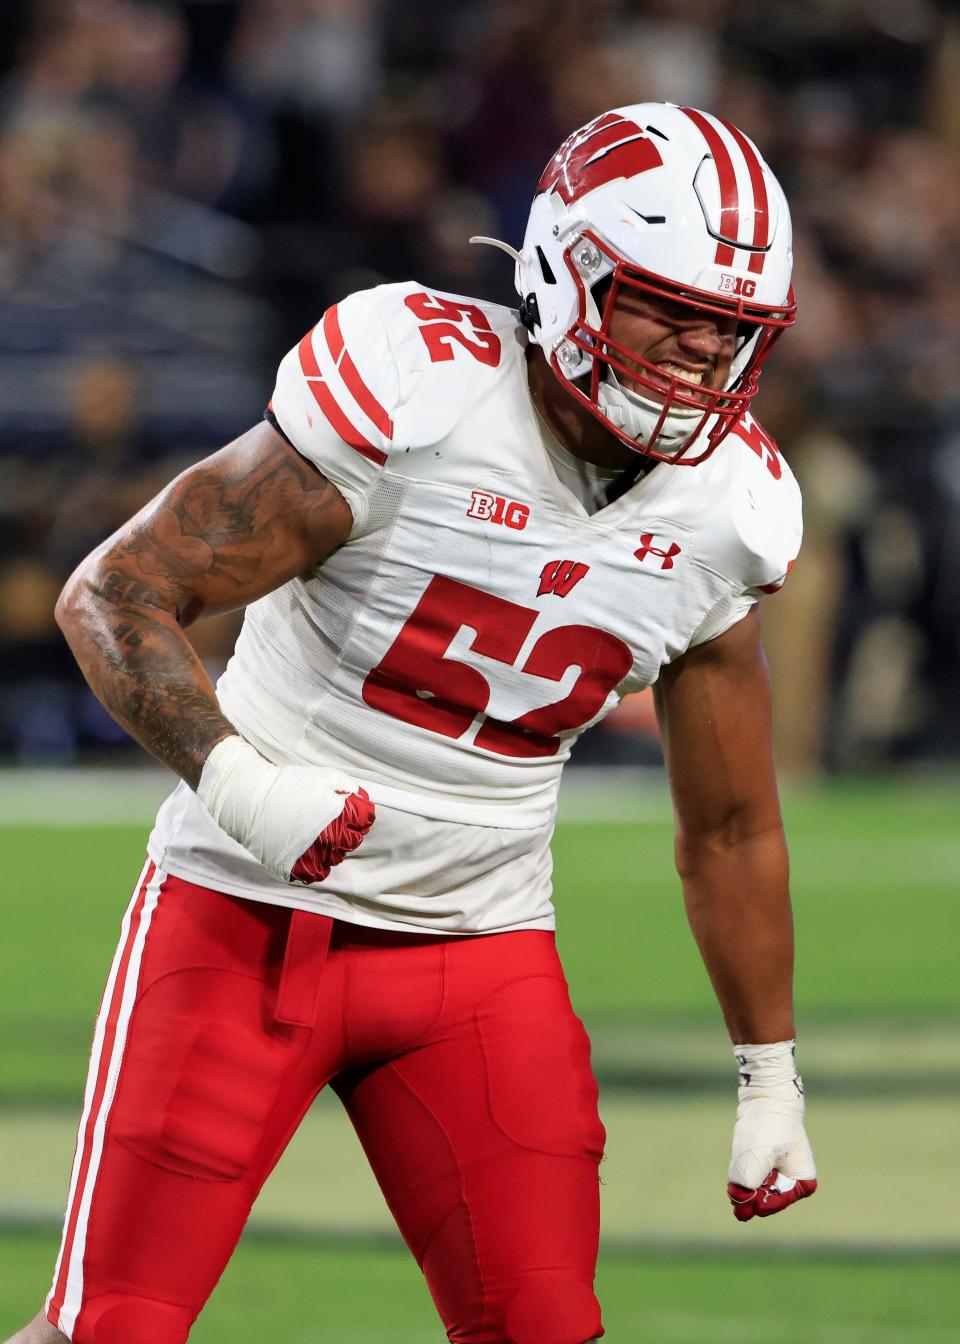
(606, 148)
(756, 262)
(350, 374)
(729, 192)
(761, 206)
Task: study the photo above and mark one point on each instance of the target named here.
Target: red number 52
(418, 683)
(442, 325)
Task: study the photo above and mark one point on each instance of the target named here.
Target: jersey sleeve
(721, 616)
(754, 551)
(384, 373)
(336, 396)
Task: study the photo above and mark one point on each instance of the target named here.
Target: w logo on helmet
(560, 576)
(665, 554)
(606, 148)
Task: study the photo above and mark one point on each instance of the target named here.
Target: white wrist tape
(769, 1131)
(275, 811)
(762, 1066)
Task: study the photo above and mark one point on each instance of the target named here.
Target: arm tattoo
(224, 533)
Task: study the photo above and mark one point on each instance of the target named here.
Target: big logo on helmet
(738, 284)
(606, 148)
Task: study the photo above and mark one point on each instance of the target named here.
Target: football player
(461, 536)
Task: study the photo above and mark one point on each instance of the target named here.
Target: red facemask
(759, 327)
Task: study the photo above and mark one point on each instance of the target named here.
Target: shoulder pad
(765, 513)
(385, 370)
(445, 347)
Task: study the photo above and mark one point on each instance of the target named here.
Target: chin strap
(638, 416)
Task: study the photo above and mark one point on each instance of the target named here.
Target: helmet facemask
(661, 416)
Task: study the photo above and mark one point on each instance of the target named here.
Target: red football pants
(459, 1061)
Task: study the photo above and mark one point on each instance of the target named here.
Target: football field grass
(871, 1260)
(298, 1294)
(876, 884)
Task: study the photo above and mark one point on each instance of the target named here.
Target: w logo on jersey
(606, 148)
(665, 554)
(560, 577)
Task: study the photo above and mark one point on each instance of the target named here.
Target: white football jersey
(477, 619)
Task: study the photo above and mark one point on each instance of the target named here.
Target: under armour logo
(560, 576)
(665, 555)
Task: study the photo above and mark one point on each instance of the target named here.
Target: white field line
(102, 796)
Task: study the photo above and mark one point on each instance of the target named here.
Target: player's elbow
(737, 832)
(87, 588)
(67, 612)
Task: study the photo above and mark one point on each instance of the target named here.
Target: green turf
(876, 878)
(876, 875)
(664, 1175)
(295, 1294)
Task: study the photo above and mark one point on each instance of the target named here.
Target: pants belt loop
(308, 942)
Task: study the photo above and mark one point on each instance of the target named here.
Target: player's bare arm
(714, 707)
(715, 711)
(225, 532)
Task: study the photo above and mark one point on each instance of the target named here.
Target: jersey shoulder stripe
(336, 417)
(336, 385)
(355, 384)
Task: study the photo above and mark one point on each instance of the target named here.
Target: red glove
(777, 1192)
(334, 843)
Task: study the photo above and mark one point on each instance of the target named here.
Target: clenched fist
(771, 1165)
(297, 820)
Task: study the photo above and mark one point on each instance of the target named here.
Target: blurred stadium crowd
(184, 187)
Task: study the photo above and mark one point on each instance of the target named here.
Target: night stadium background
(183, 189)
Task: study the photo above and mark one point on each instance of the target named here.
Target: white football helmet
(678, 205)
